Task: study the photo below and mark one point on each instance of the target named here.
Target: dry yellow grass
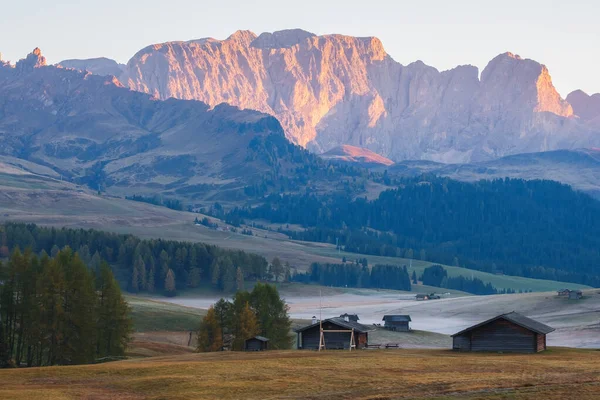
(393, 374)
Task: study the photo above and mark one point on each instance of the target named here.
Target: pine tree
(414, 277)
(170, 289)
(194, 278)
(239, 279)
(272, 313)
(277, 268)
(228, 280)
(215, 273)
(114, 323)
(150, 286)
(140, 266)
(134, 286)
(210, 335)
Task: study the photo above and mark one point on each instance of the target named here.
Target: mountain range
(334, 90)
(91, 130)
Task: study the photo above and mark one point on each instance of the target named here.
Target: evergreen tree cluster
(356, 276)
(537, 229)
(58, 311)
(437, 276)
(259, 312)
(155, 266)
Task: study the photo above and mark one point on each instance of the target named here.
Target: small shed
(400, 323)
(256, 343)
(510, 333)
(350, 317)
(575, 294)
(564, 292)
(308, 337)
(421, 296)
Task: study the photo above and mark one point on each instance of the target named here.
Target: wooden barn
(400, 323)
(256, 343)
(506, 333)
(351, 317)
(575, 295)
(308, 336)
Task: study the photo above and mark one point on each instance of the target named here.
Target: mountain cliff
(335, 90)
(585, 106)
(94, 131)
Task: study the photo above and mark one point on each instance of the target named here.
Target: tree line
(437, 276)
(537, 229)
(153, 266)
(58, 311)
(356, 275)
(259, 312)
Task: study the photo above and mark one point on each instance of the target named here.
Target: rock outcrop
(98, 66)
(585, 106)
(334, 90)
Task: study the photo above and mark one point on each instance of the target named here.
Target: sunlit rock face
(335, 90)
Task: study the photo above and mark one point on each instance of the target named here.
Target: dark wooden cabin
(256, 343)
(575, 294)
(400, 323)
(350, 317)
(507, 333)
(308, 336)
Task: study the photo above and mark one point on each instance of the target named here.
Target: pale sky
(563, 35)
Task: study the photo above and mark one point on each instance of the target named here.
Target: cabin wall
(503, 336)
(400, 326)
(462, 342)
(254, 345)
(541, 342)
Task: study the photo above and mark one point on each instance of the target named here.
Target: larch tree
(210, 335)
(246, 326)
(170, 289)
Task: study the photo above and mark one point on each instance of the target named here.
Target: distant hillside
(358, 155)
(91, 130)
(577, 168)
(537, 229)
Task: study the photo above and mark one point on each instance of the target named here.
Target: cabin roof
(517, 319)
(396, 318)
(261, 338)
(340, 322)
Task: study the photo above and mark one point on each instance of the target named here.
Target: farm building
(256, 343)
(309, 336)
(351, 317)
(421, 296)
(397, 322)
(510, 333)
(564, 292)
(575, 294)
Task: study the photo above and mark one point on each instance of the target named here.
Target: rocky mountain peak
(244, 37)
(585, 106)
(35, 59)
(281, 39)
(334, 90)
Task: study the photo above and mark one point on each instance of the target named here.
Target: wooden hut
(350, 317)
(308, 337)
(575, 294)
(422, 296)
(510, 333)
(398, 323)
(256, 343)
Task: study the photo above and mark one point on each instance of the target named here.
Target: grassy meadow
(365, 374)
